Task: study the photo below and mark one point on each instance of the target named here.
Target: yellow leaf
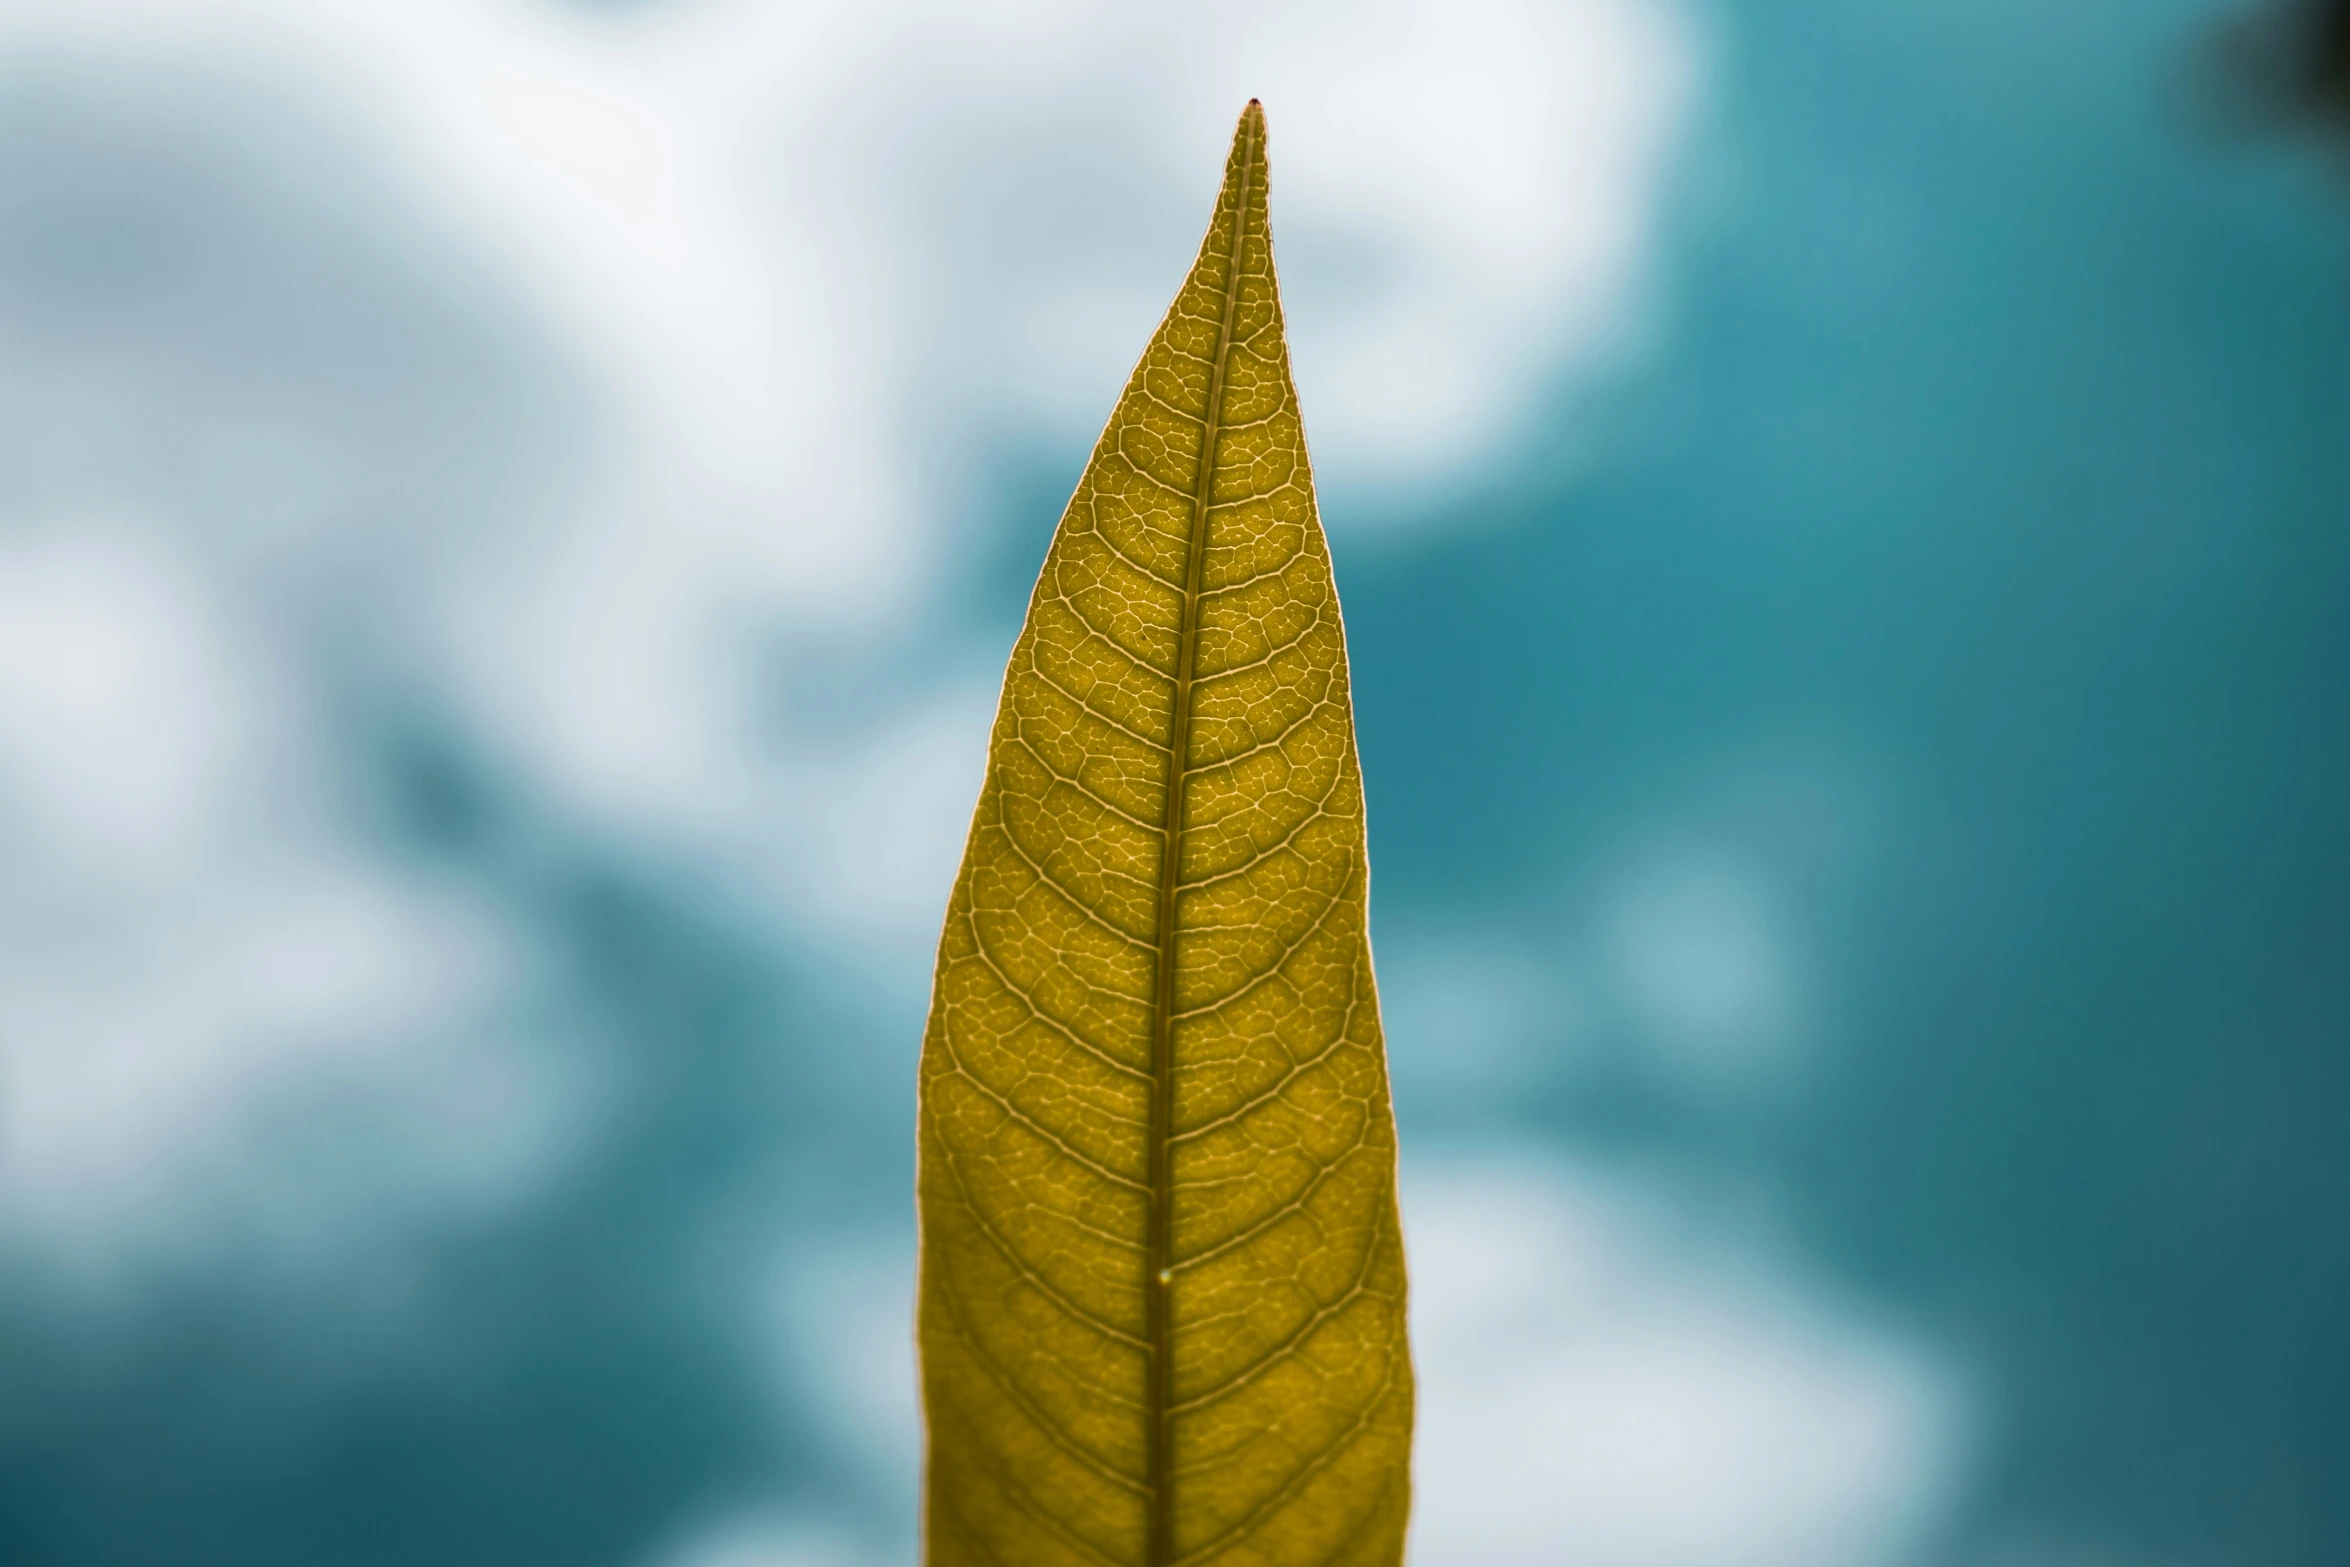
(1162, 1295)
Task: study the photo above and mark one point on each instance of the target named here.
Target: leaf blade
(1162, 1278)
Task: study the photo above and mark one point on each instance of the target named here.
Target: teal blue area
(1998, 445)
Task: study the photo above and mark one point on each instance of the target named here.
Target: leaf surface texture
(1162, 1284)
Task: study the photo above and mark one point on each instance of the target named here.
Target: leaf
(1162, 1293)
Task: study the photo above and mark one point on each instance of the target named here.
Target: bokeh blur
(511, 517)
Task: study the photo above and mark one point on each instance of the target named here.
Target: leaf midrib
(1158, 1252)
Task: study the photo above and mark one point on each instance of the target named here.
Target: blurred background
(511, 517)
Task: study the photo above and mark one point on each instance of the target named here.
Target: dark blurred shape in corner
(2282, 67)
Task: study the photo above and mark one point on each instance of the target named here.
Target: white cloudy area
(1648, 1385)
(796, 269)
(802, 261)
(187, 938)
